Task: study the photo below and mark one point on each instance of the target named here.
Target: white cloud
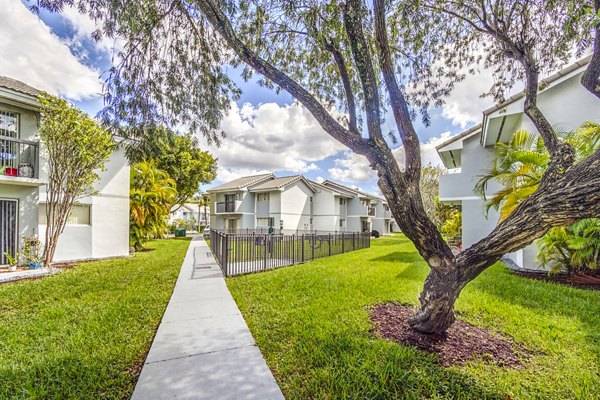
(84, 27)
(229, 174)
(464, 105)
(271, 137)
(352, 168)
(320, 179)
(33, 54)
(429, 154)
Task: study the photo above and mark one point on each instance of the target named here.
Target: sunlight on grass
(81, 334)
(311, 323)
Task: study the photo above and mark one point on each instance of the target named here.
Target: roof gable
(241, 183)
(281, 183)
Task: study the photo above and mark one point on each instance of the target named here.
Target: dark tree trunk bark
(591, 78)
(440, 291)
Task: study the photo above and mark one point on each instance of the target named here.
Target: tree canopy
(76, 148)
(176, 154)
(364, 59)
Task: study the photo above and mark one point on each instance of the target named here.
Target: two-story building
(294, 203)
(192, 213)
(566, 104)
(98, 225)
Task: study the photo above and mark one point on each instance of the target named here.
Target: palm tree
(205, 202)
(151, 194)
(518, 167)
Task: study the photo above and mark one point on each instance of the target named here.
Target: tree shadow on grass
(390, 241)
(371, 367)
(400, 256)
(544, 298)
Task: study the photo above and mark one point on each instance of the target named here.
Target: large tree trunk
(437, 300)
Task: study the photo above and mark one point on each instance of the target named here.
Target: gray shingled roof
(18, 86)
(241, 183)
(279, 183)
(352, 190)
(331, 188)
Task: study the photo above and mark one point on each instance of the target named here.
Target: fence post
(267, 245)
(329, 245)
(353, 241)
(342, 242)
(312, 248)
(293, 249)
(303, 247)
(225, 250)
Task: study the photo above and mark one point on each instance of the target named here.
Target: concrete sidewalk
(203, 348)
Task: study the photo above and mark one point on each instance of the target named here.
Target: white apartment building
(98, 226)
(294, 203)
(566, 104)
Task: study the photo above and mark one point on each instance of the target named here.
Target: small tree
(76, 148)
(205, 205)
(177, 155)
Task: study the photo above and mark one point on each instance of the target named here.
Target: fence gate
(8, 228)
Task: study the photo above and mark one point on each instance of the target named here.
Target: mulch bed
(461, 343)
(589, 280)
(65, 265)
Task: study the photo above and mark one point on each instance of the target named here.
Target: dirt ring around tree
(462, 342)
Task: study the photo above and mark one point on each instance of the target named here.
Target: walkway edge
(203, 348)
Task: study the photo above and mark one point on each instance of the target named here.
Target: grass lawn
(83, 333)
(311, 323)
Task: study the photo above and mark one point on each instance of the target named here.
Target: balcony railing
(228, 206)
(387, 214)
(18, 157)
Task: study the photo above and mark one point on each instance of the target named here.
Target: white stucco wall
(295, 206)
(566, 105)
(108, 233)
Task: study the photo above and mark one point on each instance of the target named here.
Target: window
(365, 203)
(386, 208)
(265, 222)
(79, 215)
(342, 202)
(9, 124)
(342, 223)
(230, 198)
(263, 196)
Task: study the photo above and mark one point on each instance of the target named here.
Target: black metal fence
(240, 253)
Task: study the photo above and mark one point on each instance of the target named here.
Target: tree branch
(341, 64)
(562, 202)
(409, 137)
(591, 77)
(362, 57)
(222, 25)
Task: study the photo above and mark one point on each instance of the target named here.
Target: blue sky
(266, 131)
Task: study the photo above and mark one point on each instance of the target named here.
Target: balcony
(387, 214)
(228, 207)
(371, 212)
(19, 161)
